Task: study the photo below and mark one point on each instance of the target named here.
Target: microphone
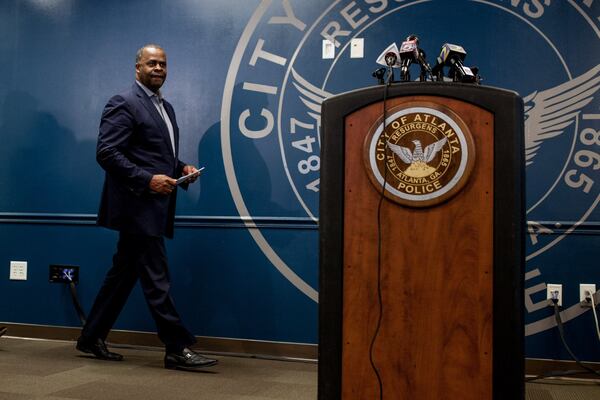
(390, 58)
(379, 73)
(409, 52)
(453, 55)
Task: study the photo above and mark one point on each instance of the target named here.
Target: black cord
(76, 303)
(561, 331)
(556, 374)
(381, 197)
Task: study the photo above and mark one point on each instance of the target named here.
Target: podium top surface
(488, 97)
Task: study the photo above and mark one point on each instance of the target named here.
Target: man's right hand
(162, 184)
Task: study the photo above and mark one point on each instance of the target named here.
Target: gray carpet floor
(54, 370)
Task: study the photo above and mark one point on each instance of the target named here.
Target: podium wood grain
(435, 340)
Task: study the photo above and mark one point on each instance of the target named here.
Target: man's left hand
(190, 169)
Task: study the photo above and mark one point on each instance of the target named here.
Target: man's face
(151, 69)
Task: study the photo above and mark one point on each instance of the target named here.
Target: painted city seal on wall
(424, 155)
(274, 90)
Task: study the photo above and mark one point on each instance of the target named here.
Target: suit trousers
(144, 258)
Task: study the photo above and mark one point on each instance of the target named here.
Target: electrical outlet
(554, 289)
(586, 290)
(18, 270)
(63, 273)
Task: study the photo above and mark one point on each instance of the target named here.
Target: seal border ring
(456, 183)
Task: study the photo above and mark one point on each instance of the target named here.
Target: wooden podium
(429, 271)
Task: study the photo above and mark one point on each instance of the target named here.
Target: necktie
(165, 117)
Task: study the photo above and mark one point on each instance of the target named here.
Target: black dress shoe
(187, 360)
(98, 348)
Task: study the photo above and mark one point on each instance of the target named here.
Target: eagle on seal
(418, 155)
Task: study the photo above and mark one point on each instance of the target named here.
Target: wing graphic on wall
(549, 112)
(311, 96)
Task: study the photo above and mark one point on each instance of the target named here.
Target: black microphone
(379, 73)
(453, 55)
(390, 58)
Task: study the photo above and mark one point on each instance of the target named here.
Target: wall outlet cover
(552, 288)
(586, 287)
(18, 270)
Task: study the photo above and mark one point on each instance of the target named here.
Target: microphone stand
(390, 77)
(423, 75)
(405, 74)
(425, 68)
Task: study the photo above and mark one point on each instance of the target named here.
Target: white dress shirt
(156, 99)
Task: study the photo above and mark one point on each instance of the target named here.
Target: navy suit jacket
(134, 144)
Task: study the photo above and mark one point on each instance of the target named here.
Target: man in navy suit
(138, 148)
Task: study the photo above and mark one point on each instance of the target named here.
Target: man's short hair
(138, 54)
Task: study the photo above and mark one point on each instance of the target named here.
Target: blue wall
(244, 259)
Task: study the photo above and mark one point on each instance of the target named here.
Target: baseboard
(211, 345)
(245, 347)
(537, 366)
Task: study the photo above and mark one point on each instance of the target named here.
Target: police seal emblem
(424, 155)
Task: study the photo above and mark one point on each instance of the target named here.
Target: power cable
(76, 303)
(593, 305)
(561, 331)
(68, 274)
